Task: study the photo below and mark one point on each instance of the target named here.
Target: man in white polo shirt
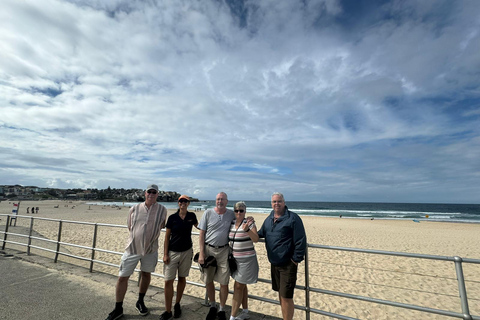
(145, 221)
(214, 229)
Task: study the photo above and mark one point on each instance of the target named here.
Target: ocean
(469, 213)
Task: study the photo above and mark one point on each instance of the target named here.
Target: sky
(322, 100)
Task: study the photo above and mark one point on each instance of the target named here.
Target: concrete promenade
(34, 287)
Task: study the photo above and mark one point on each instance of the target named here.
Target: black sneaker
(222, 315)
(115, 314)
(212, 314)
(166, 316)
(177, 311)
(142, 310)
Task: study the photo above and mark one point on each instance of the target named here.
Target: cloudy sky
(319, 99)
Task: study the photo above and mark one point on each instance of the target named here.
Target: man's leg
(210, 291)
(223, 294)
(287, 308)
(182, 282)
(145, 281)
(143, 287)
(212, 313)
(121, 289)
(168, 295)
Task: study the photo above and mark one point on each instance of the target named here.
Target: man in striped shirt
(145, 221)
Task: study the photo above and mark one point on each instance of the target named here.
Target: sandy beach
(421, 282)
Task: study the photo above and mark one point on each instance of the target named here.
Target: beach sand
(421, 282)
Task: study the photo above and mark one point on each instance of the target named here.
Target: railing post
(94, 245)
(307, 286)
(30, 236)
(461, 288)
(58, 240)
(6, 232)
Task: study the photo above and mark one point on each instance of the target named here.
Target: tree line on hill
(113, 194)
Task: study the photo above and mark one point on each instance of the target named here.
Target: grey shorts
(148, 263)
(181, 261)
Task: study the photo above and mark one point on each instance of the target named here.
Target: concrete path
(34, 287)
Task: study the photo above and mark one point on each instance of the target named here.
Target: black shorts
(284, 279)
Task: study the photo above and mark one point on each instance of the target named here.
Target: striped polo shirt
(144, 226)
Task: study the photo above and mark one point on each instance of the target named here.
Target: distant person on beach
(286, 242)
(36, 210)
(28, 210)
(243, 234)
(214, 229)
(177, 256)
(145, 221)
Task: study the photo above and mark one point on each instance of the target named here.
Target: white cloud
(98, 93)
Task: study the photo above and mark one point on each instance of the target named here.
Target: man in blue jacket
(285, 241)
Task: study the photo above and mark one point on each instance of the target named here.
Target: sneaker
(142, 310)
(222, 315)
(177, 311)
(115, 314)
(166, 316)
(212, 314)
(243, 315)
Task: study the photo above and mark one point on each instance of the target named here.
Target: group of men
(285, 241)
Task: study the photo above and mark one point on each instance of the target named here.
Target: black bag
(209, 262)
(232, 263)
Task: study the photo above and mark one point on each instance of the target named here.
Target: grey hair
(240, 204)
(278, 194)
(221, 192)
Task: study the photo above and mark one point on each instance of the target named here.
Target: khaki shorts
(129, 262)
(181, 261)
(221, 273)
(284, 279)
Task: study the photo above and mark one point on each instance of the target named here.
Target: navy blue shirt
(181, 231)
(285, 239)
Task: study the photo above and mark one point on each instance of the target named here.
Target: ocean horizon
(466, 213)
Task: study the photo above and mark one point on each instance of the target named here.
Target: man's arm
(201, 244)
(164, 217)
(261, 232)
(129, 219)
(299, 241)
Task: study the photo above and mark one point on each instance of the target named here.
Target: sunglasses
(152, 192)
(183, 201)
(241, 211)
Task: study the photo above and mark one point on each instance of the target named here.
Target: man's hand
(166, 259)
(201, 258)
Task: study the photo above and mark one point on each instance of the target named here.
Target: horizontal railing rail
(458, 262)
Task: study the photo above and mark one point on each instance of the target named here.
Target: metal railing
(458, 263)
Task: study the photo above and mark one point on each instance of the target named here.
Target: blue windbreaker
(285, 239)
